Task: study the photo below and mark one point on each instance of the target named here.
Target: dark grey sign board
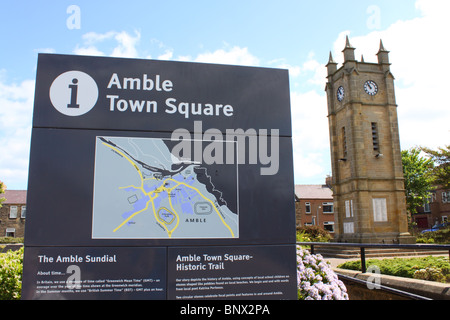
(252, 272)
(131, 158)
(100, 273)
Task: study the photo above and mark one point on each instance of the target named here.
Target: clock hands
(340, 93)
(371, 87)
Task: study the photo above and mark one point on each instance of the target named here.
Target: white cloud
(294, 71)
(419, 54)
(88, 51)
(434, 8)
(91, 38)
(184, 58)
(318, 71)
(166, 55)
(310, 136)
(125, 47)
(234, 56)
(16, 105)
(228, 55)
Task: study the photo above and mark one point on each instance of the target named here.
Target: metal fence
(364, 246)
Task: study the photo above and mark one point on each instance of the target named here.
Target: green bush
(312, 234)
(427, 268)
(432, 274)
(424, 240)
(10, 240)
(440, 236)
(11, 274)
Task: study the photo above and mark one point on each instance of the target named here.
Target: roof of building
(313, 191)
(14, 196)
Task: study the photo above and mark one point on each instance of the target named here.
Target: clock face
(371, 87)
(340, 93)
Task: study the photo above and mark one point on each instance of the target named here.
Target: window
(445, 196)
(328, 226)
(348, 208)
(376, 144)
(433, 196)
(344, 144)
(13, 212)
(307, 207)
(327, 207)
(426, 205)
(379, 210)
(349, 227)
(23, 212)
(10, 232)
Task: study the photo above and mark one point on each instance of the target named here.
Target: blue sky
(293, 34)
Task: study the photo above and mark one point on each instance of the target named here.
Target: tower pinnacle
(383, 54)
(347, 42)
(349, 51)
(331, 65)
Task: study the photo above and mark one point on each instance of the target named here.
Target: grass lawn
(434, 268)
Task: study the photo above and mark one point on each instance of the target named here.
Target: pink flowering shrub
(316, 280)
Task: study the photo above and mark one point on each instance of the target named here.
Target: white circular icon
(74, 93)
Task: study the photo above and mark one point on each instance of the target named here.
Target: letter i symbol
(73, 94)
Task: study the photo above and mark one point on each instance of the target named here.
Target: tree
(2, 191)
(441, 170)
(417, 172)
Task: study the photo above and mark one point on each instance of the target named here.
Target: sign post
(159, 180)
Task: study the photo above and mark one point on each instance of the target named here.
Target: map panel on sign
(143, 191)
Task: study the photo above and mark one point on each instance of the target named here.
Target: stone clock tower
(368, 187)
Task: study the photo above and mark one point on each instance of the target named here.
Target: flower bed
(316, 280)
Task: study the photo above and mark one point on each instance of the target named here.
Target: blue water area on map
(137, 206)
(186, 207)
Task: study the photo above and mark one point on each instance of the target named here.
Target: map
(142, 191)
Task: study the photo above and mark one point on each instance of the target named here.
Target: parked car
(436, 227)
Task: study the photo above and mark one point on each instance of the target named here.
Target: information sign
(137, 161)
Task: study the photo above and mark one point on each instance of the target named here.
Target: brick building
(435, 211)
(314, 206)
(13, 213)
